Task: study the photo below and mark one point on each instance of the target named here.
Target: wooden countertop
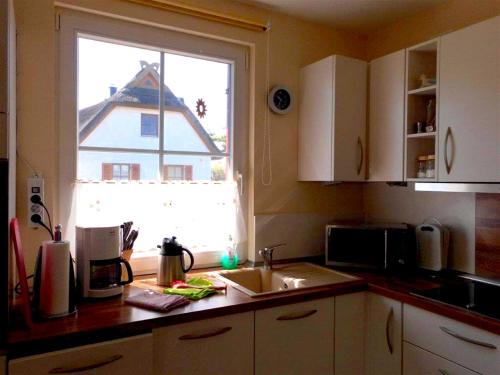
(112, 318)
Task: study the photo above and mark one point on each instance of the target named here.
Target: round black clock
(280, 100)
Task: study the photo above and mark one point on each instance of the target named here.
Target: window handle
(239, 182)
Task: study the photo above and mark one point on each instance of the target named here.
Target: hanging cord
(266, 149)
(35, 173)
(37, 219)
(17, 288)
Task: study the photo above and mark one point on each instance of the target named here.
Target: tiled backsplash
(488, 235)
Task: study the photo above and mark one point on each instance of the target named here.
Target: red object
(15, 239)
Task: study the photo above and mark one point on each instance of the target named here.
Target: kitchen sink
(257, 281)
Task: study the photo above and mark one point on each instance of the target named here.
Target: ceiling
(362, 16)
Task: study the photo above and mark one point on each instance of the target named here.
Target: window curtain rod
(202, 13)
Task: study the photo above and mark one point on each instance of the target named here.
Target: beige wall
(449, 16)
(293, 43)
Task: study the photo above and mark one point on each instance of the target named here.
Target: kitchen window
(190, 148)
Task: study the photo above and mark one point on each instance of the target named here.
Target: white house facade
(119, 138)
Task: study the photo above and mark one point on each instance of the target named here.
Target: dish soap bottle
(229, 260)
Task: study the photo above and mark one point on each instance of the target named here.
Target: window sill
(146, 263)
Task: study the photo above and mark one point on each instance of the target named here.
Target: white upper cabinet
(332, 120)
(386, 126)
(469, 135)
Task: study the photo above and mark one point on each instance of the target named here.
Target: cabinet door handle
(362, 155)
(91, 366)
(387, 324)
(467, 339)
(295, 316)
(216, 332)
(447, 163)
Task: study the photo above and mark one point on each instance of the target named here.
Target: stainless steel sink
(258, 281)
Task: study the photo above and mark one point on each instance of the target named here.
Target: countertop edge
(24, 344)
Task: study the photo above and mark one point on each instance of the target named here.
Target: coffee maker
(99, 261)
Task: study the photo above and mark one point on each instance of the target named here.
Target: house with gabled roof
(118, 136)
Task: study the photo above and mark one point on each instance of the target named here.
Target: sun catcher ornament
(201, 108)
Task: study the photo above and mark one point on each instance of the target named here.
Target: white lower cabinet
(295, 339)
(223, 345)
(468, 346)
(383, 352)
(128, 356)
(417, 361)
(350, 318)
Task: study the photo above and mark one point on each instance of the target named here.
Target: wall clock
(280, 100)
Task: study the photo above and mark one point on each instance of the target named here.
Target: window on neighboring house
(149, 125)
(120, 172)
(176, 142)
(178, 172)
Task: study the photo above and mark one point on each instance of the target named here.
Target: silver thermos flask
(171, 262)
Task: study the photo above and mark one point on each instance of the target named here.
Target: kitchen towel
(156, 301)
(191, 293)
(195, 288)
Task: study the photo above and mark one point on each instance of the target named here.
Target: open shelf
(428, 90)
(421, 106)
(422, 135)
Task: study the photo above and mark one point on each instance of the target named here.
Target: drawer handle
(216, 332)
(387, 324)
(443, 372)
(71, 370)
(361, 157)
(466, 339)
(295, 316)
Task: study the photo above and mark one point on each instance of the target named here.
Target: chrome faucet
(267, 254)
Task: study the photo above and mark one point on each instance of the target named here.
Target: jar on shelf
(422, 167)
(430, 166)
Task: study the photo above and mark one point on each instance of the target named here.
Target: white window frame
(75, 23)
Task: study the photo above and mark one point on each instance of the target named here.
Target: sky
(102, 64)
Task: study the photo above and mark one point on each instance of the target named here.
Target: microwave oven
(389, 247)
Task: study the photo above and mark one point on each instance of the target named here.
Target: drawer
(128, 356)
(417, 361)
(222, 345)
(468, 346)
(295, 339)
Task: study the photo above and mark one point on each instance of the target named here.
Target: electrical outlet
(35, 190)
